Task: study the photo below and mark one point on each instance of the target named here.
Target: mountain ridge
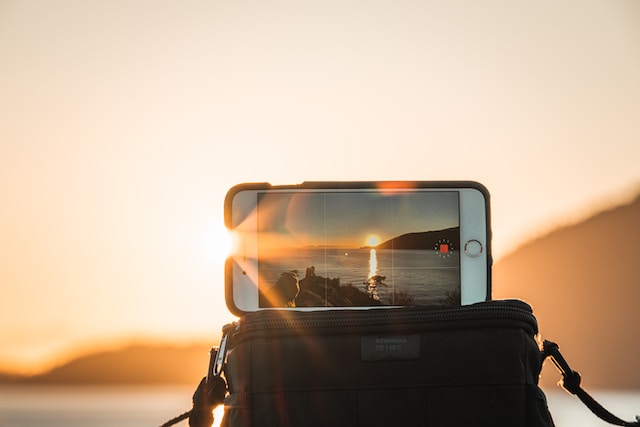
(421, 240)
(581, 280)
(133, 364)
(583, 284)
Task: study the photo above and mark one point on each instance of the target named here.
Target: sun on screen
(372, 240)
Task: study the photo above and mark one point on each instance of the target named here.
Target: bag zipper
(491, 310)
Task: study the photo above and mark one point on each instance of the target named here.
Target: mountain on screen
(421, 240)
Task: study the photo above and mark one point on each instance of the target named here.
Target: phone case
(229, 296)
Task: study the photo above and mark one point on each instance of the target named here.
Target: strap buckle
(218, 354)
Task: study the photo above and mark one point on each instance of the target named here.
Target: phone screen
(351, 248)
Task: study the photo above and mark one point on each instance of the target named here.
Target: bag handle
(571, 382)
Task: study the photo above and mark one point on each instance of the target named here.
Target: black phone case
(348, 185)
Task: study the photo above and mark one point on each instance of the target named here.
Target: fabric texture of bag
(471, 365)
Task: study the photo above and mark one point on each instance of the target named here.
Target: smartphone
(337, 245)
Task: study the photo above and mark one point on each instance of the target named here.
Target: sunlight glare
(221, 243)
(218, 413)
(372, 240)
(373, 263)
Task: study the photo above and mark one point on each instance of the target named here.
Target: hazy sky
(123, 124)
(346, 218)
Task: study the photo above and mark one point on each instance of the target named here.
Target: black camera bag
(469, 365)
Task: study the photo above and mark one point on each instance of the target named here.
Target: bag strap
(571, 382)
(212, 389)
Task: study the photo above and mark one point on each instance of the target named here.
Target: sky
(124, 123)
(348, 218)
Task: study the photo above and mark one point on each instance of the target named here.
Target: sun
(220, 242)
(372, 240)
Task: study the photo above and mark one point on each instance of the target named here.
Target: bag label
(389, 347)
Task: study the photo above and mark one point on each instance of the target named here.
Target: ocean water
(424, 274)
(96, 406)
(55, 406)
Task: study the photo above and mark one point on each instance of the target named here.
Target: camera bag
(469, 365)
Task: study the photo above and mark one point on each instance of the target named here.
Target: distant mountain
(583, 282)
(421, 240)
(136, 364)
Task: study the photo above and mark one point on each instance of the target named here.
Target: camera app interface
(354, 249)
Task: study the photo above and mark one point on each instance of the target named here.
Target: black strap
(571, 382)
(209, 394)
